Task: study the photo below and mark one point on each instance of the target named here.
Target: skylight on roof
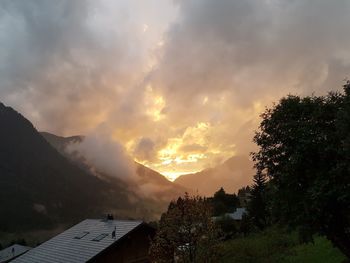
(81, 235)
(100, 237)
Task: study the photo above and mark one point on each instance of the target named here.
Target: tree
(186, 233)
(223, 203)
(304, 148)
(243, 195)
(228, 227)
(257, 206)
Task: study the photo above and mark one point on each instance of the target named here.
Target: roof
(12, 252)
(238, 214)
(80, 243)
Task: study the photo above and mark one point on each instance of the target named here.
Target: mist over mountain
(41, 188)
(60, 142)
(146, 182)
(43, 185)
(231, 174)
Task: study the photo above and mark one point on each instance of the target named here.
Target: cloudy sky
(178, 84)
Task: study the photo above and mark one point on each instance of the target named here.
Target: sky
(177, 85)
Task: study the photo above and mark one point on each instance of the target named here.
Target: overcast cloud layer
(180, 84)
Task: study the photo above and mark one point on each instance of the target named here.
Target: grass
(276, 245)
(321, 251)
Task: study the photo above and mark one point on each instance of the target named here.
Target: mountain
(148, 179)
(59, 142)
(38, 185)
(231, 175)
(40, 188)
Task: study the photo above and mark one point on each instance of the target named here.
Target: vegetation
(277, 245)
(186, 233)
(223, 203)
(304, 149)
(302, 184)
(244, 195)
(257, 206)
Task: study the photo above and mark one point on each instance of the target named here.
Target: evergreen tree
(257, 206)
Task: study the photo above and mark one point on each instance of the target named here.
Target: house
(95, 240)
(237, 215)
(11, 252)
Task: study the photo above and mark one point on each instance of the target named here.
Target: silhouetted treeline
(304, 149)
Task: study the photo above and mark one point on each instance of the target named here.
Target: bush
(276, 245)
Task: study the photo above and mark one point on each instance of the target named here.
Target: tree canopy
(186, 233)
(257, 206)
(223, 202)
(304, 149)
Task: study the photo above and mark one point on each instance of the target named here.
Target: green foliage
(321, 251)
(243, 195)
(276, 245)
(246, 226)
(264, 247)
(223, 203)
(304, 144)
(257, 206)
(186, 233)
(228, 227)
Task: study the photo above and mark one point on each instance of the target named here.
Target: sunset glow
(180, 85)
(201, 130)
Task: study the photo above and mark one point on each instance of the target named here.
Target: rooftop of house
(236, 215)
(81, 242)
(12, 252)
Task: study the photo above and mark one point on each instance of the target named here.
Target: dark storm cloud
(145, 150)
(64, 58)
(254, 48)
(224, 57)
(72, 66)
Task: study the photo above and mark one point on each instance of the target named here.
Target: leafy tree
(304, 148)
(257, 206)
(245, 225)
(224, 203)
(186, 233)
(243, 195)
(228, 227)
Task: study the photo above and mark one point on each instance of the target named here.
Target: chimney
(114, 231)
(110, 217)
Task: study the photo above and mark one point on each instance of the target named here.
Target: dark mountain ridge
(37, 183)
(163, 189)
(40, 188)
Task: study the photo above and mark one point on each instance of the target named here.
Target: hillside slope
(40, 188)
(149, 182)
(231, 175)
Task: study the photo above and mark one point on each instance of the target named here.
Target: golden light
(171, 176)
(145, 28)
(205, 100)
(154, 104)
